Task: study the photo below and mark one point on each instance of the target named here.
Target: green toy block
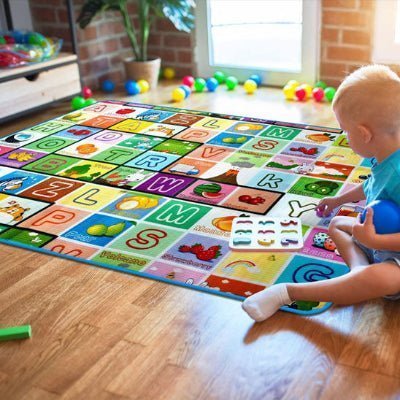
(15, 332)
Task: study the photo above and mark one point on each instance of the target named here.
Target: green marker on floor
(15, 332)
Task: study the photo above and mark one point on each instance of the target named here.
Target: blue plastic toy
(386, 216)
(108, 86)
(212, 84)
(186, 89)
(132, 88)
(256, 78)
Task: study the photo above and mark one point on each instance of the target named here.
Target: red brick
(46, 14)
(89, 33)
(330, 35)
(345, 18)
(99, 65)
(367, 4)
(185, 57)
(356, 37)
(333, 69)
(164, 25)
(348, 54)
(334, 82)
(62, 15)
(339, 4)
(155, 40)
(110, 28)
(183, 71)
(168, 55)
(111, 45)
(177, 40)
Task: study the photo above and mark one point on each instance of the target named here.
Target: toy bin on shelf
(34, 86)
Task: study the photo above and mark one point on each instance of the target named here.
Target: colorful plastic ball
(2, 40)
(250, 86)
(256, 78)
(321, 84)
(186, 89)
(212, 84)
(77, 102)
(231, 82)
(293, 83)
(90, 101)
(318, 94)
(300, 93)
(87, 92)
(144, 85)
(199, 84)
(386, 216)
(132, 88)
(169, 73)
(108, 86)
(330, 93)
(308, 88)
(188, 81)
(220, 76)
(289, 92)
(178, 94)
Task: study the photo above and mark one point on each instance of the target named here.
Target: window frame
(310, 61)
(383, 49)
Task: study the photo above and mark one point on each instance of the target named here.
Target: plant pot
(148, 70)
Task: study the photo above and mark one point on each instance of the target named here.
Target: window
(276, 39)
(386, 44)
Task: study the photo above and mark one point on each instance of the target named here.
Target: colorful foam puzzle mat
(152, 191)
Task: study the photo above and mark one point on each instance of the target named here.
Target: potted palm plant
(179, 12)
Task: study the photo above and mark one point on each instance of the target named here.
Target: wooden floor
(99, 334)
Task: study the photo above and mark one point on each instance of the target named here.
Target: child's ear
(365, 132)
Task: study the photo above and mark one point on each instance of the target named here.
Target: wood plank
(29, 69)
(353, 383)
(99, 334)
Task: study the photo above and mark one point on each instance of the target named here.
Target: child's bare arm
(326, 205)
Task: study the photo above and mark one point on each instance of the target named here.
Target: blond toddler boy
(367, 107)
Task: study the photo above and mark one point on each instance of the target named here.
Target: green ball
(199, 84)
(321, 84)
(78, 102)
(89, 102)
(231, 82)
(330, 93)
(220, 76)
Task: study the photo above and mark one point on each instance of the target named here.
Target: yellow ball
(144, 85)
(289, 92)
(293, 83)
(308, 88)
(250, 86)
(169, 73)
(178, 94)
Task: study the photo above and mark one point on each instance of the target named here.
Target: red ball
(87, 92)
(301, 94)
(188, 81)
(318, 94)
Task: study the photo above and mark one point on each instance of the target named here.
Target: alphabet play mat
(152, 191)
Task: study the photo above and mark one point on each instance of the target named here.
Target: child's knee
(334, 226)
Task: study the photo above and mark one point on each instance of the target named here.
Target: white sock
(264, 304)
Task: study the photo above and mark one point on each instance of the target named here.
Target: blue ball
(132, 88)
(256, 79)
(186, 89)
(386, 216)
(211, 84)
(108, 86)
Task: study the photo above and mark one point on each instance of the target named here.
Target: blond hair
(371, 96)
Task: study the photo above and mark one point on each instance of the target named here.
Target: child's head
(367, 106)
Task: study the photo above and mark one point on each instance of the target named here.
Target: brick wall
(346, 37)
(103, 44)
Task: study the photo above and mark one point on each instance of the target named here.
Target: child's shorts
(378, 256)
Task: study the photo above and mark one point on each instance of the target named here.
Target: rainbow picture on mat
(153, 190)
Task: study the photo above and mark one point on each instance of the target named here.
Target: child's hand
(326, 206)
(365, 232)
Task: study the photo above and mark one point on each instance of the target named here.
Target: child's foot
(262, 305)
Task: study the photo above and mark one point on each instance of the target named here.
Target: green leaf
(92, 7)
